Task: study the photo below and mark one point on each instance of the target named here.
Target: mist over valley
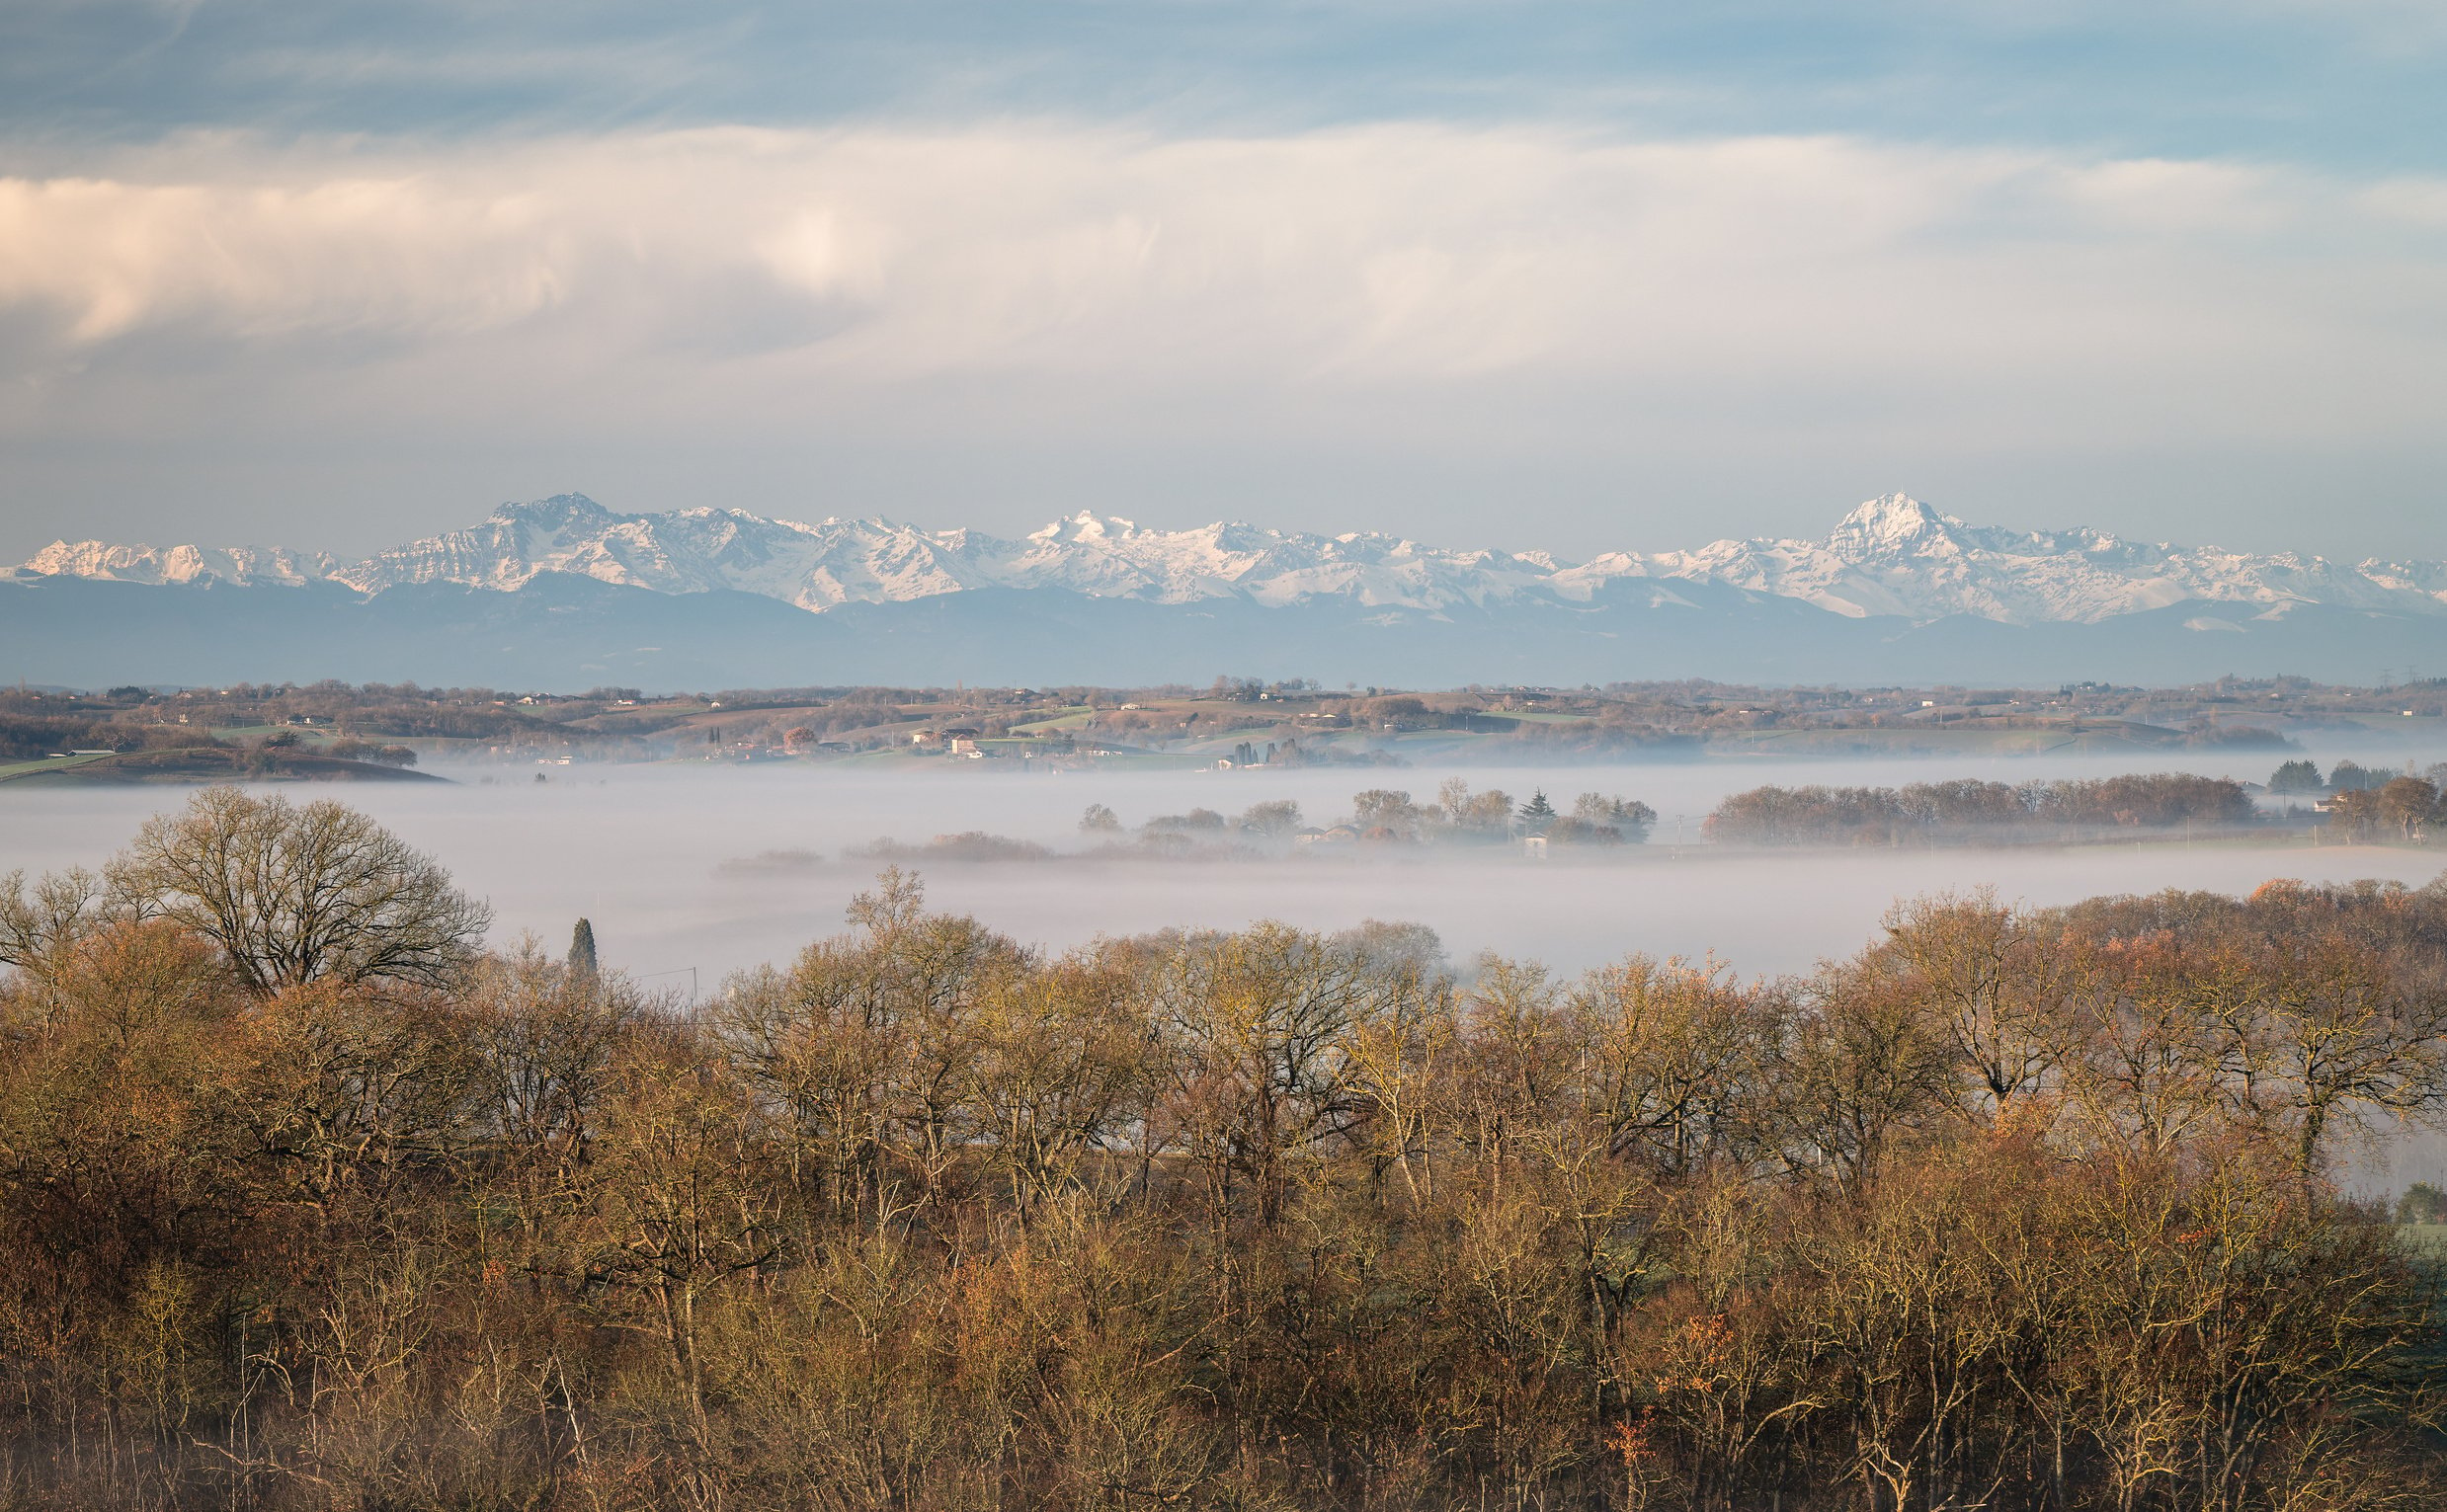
(720, 867)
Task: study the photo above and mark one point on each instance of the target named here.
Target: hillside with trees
(1249, 722)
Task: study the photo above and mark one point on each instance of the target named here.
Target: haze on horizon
(1529, 275)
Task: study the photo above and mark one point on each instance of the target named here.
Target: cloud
(265, 261)
(1401, 288)
(1394, 253)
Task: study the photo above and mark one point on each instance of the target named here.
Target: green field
(37, 769)
(1071, 719)
(2425, 1238)
(204, 764)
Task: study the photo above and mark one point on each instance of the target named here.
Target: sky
(1557, 274)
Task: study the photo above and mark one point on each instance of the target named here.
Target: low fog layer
(688, 872)
(654, 855)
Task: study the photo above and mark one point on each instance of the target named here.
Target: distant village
(1230, 724)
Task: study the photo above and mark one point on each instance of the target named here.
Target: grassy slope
(205, 764)
(12, 769)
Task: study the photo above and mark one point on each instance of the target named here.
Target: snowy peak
(561, 512)
(1891, 556)
(1889, 526)
(1084, 526)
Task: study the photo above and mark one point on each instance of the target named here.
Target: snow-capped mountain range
(1893, 556)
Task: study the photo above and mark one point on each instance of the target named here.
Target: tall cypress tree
(582, 948)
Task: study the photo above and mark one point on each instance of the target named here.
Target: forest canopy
(2014, 1208)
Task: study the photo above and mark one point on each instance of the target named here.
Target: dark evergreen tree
(582, 948)
(1537, 814)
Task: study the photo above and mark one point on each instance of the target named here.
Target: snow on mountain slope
(1896, 555)
(178, 564)
(1108, 557)
(815, 567)
(1891, 556)
(870, 561)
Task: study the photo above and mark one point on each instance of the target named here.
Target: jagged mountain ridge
(1898, 556)
(1892, 557)
(238, 565)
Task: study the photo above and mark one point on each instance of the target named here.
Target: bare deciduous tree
(54, 911)
(295, 893)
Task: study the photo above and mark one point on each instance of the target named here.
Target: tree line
(1456, 816)
(314, 1202)
(2302, 775)
(1820, 815)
